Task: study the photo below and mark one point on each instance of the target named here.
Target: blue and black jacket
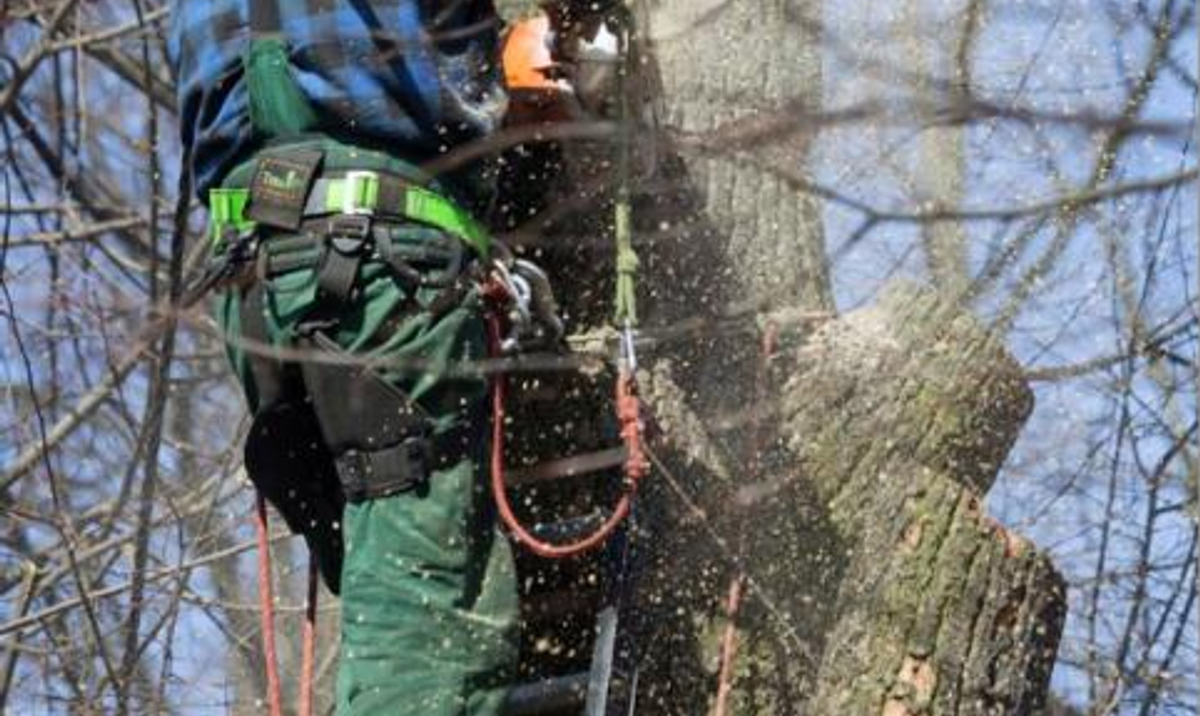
(415, 78)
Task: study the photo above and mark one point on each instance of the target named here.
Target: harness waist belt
(366, 193)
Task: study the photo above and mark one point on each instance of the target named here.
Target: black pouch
(291, 467)
(286, 456)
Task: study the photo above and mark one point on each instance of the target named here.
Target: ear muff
(538, 86)
(528, 57)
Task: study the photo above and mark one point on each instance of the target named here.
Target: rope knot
(627, 261)
(629, 415)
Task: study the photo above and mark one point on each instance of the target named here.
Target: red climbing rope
(737, 585)
(267, 613)
(309, 652)
(635, 467)
(729, 645)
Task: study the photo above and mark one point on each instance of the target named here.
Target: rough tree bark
(877, 584)
(899, 417)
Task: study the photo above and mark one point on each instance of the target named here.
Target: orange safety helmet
(527, 56)
(537, 88)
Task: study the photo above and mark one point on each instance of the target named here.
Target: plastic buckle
(359, 193)
(348, 235)
(419, 453)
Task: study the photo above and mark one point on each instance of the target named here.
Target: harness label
(280, 188)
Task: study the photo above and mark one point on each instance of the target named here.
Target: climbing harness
(300, 210)
(380, 440)
(376, 441)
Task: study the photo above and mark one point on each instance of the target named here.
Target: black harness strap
(384, 472)
(380, 439)
(266, 371)
(376, 436)
(346, 243)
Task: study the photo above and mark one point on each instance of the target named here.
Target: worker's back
(412, 77)
(308, 123)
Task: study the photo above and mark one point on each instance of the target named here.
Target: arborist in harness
(346, 289)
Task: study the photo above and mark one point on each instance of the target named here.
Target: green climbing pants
(429, 596)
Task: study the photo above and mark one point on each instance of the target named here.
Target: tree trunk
(899, 417)
(876, 584)
(845, 480)
(723, 66)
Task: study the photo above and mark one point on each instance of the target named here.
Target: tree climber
(351, 315)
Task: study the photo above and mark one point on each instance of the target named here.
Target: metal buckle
(349, 234)
(352, 190)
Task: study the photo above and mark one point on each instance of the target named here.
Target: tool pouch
(293, 470)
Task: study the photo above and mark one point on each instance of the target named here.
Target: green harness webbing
(277, 106)
(359, 193)
(625, 308)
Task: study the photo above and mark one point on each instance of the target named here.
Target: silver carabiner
(542, 306)
(518, 306)
(628, 356)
